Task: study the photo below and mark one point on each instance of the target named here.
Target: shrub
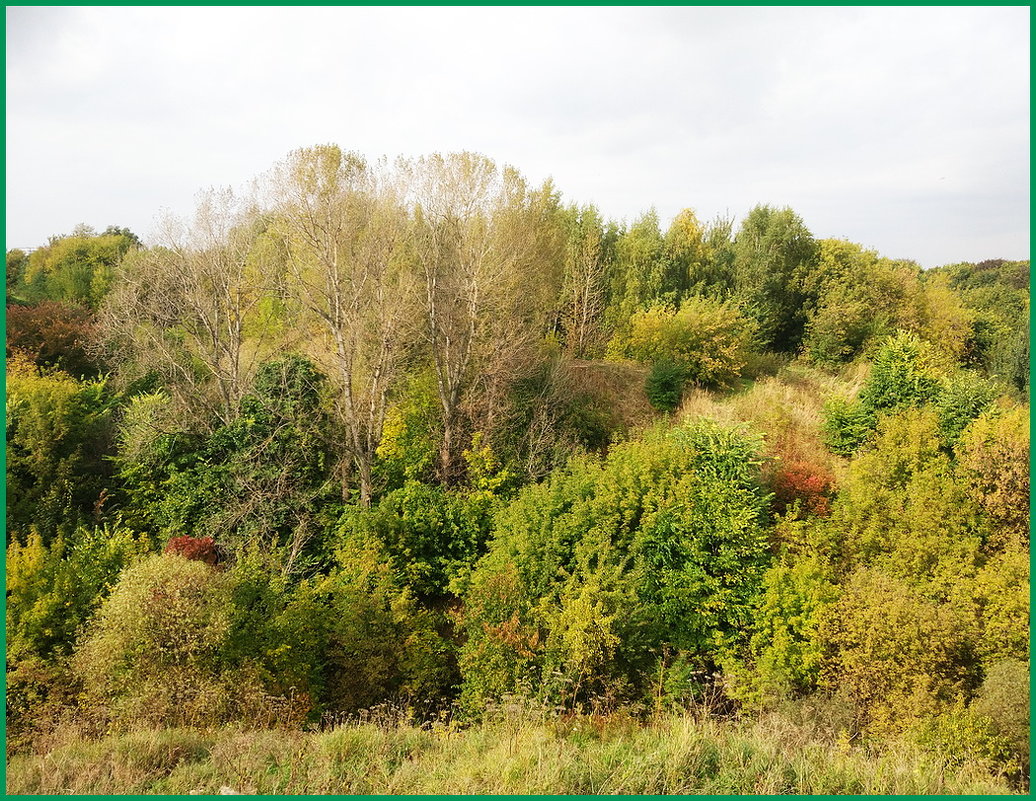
(370, 641)
(960, 400)
(993, 453)
(905, 374)
(796, 481)
(153, 655)
(785, 654)
(53, 590)
(201, 549)
(664, 386)
(847, 425)
(593, 574)
(428, 533)
(708, 339)
(1003, 699)
(897, 655)
(54, 335)
(960, 737)
(58, 435)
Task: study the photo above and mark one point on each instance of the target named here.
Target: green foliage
(996, 292)
(847, 425)
(607, 563)
(773, 250)
(430, 534)
(709, 340)
(1003, 699)
(961, 399)
(153, 654)
(638, 273)
(52, 591)
(16, 262)
(409, 441)
(998, 600)
(960, 737)
(367, 638)
(698, 257)
(906, 373)
(664, 386)
(75, 269)
(785, 653)
(58, 436)
(265, 478)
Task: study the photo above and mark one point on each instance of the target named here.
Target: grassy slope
(583, 756)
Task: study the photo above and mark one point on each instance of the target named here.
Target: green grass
(677, 755)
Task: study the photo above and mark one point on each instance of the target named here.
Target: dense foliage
(425, 434)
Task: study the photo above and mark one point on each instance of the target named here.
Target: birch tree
(488, 260)
(190, 308)
(344, 231)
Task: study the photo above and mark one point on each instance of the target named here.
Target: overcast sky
(906, 130)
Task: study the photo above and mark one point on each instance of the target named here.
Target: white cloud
(905, 129)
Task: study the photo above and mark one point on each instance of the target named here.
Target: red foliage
(200, 549)
(52, 334)
(796, 480)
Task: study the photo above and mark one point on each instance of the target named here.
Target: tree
(16, 263)
(772, 252)
(192, 309)
(53, 334)
(696, 257)
(639, 271)
(585, 273)
(348, 256)
(78, 268)
(485, 257)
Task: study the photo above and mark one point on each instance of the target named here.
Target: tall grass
(581, 755)
(788, 407)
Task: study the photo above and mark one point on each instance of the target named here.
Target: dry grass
(786, 408)
(678, 755)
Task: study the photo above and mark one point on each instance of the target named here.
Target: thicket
(393, 434)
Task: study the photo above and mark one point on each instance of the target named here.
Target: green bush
(369, 641)
(960, 400)
(53, 590)
(154, 655)
(664, 386)
(596, 573)
(266, 479)
(429, 533)
(905, 374)
(785, 653)
(59, 433)
(1003, 699)
(708, 339)
(847, 425)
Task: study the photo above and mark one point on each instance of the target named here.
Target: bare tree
(189, 308)
(583, 294)
(486, 252)
(344, 230)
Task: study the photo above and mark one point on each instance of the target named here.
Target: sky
(903, 129)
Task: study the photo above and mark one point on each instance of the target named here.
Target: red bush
(53, 334)
(804, 482)
(200, 549)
